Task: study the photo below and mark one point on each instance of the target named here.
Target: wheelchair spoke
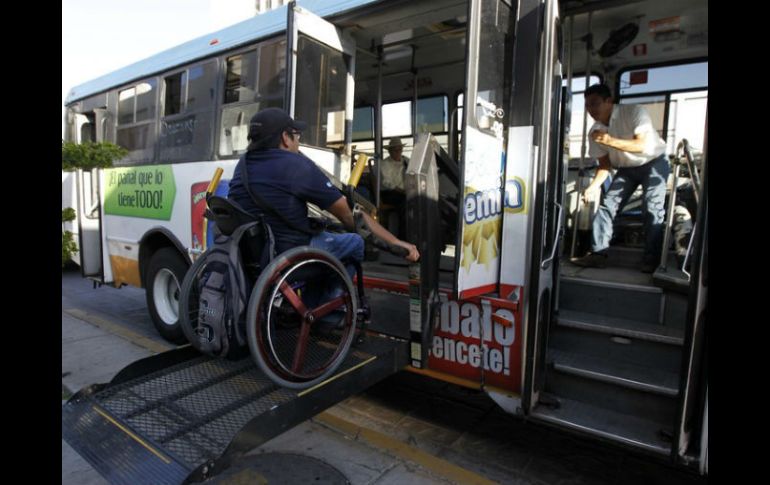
(328, 307)
(301, 350)
(293, 298)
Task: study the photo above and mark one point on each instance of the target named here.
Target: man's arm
(631, 146)
(341, 211)
(601, 175)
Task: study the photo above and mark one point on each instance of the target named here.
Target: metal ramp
(181, 417)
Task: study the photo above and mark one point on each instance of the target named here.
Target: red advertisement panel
(479, 336)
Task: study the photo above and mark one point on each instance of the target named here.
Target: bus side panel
(139, 201)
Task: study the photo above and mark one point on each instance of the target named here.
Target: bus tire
(165, 274)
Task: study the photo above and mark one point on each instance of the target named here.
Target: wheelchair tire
(290, 342)
(189, 305)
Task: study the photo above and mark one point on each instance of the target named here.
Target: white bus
(492, 191)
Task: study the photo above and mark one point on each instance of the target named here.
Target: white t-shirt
(626, 121)
(393, 173)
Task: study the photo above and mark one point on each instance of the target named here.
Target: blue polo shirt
(286, 181)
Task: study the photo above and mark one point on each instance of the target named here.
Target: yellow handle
(214, 181)
(358, 169)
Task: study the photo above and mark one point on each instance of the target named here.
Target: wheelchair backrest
(257, 245)
(227, 214)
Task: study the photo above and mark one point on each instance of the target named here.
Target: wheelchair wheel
(301, 317)
(189, 301)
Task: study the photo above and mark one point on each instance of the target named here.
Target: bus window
(666, 78)
(320, 94)
(272, 74)
(397, 119)
(363, 123)
(676, 97)
(145, 101)
(126, 106)
(244, 96)
(240, 83)
(432, 115)
(200, 91)
(173, 86)
(494, 67)
(136, 115)
(575, 135)
(185, 130)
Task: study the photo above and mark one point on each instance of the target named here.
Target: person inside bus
(623, 138)
(392, 190)
(288, 180)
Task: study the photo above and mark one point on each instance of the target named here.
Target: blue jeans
(348, 248)
(652, 176)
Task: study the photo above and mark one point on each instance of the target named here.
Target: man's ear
(284, 140)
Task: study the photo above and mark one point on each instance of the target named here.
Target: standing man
(624, 138)
(392, 187)
(288, 180)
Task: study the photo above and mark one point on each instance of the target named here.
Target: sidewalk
(90, 355)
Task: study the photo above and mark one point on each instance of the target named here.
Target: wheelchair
(303, 313)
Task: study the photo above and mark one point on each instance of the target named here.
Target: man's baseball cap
(272, 121)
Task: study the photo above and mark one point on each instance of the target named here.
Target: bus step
(584, 418)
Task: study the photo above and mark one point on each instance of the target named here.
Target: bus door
(477, 251)
(89, 127)
(320, 65)
(89, 222)
(533, 187)
(466, 340)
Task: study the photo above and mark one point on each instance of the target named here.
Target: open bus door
(320, 66)
(88, 187)
(532, 188)
(489, 38)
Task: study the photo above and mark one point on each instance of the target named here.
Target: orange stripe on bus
(125, 271)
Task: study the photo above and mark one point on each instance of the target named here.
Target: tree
(87, 156)
(68, 246)
(90, 155)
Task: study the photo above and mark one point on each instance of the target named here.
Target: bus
(491, 187)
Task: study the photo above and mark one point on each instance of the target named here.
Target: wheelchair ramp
(180, 416)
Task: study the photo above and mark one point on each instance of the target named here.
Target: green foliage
(89, 155)
(68, 214)
(68, 246)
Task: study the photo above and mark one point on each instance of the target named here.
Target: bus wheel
(165, 274)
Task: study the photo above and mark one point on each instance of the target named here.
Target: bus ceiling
(624, 33)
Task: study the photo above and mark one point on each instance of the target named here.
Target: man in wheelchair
(301, 313)
(286, 181)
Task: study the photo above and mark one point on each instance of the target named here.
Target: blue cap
(272, 121)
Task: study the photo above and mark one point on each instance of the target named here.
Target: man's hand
(414, 254)
(601, 137)
(384, 235)
(590, 193)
